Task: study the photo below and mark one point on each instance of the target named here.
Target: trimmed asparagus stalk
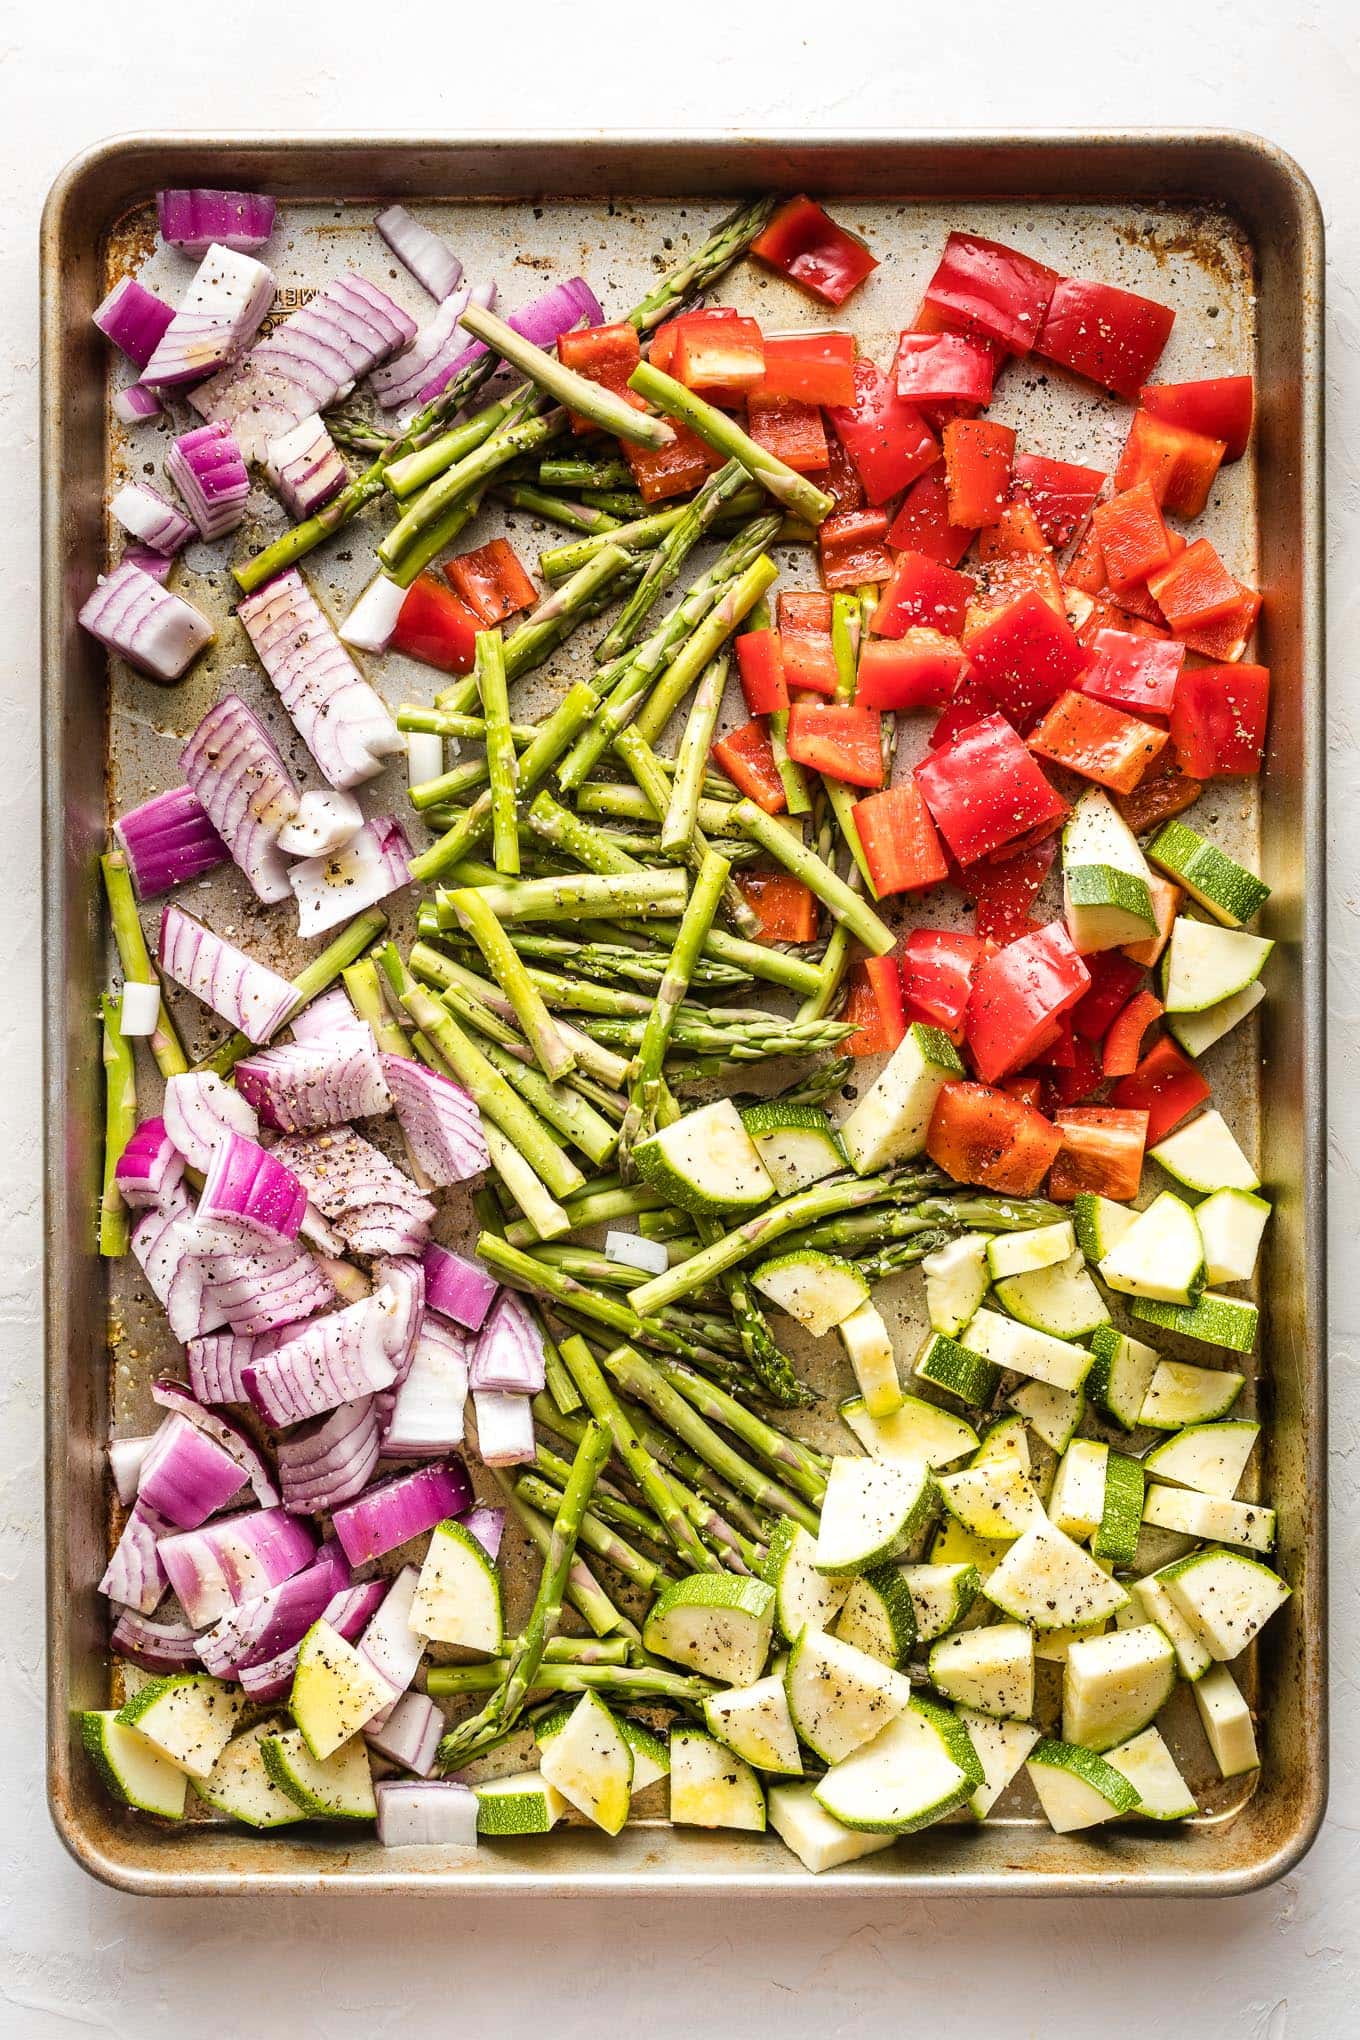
(584, 1591)
(845, 905)
(632, 1682)
(596, 1535)
(715, 495)
(640, 1119)
(120, 1122)
(563, 384)
(541, 1031)
(608, 1411)
(798, 495)
(138, 969)
(681, 819)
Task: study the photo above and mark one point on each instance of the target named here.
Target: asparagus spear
(364, 986)
(870, 1230)
(844, 903)
(613, 960)
(563, 384)
(608, 1411)
(584, 1591)
(795, 1463)
(138, 969)
(561, 1105)
(315, 978)
(798, 495)
(737, 1041)
(715, 495)
(612, 798)
(568, 472)
(577, 1650)
(605, 1503)
(704, 644)
(563, 608)
(585, 518)
(640, 1119)
(632, 1682)
(596, 1535)
(681, 822)
(892, 1259)
(542, 1212)
(599, 1204)
(645, 767)
(414, 537)
(555, 899)
(541, 1031)
(120, 1121)
(502, 764)
(725, 245)
(408, 472)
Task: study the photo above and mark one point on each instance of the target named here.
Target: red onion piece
(157, 632)
(488, 1527)
(147, 515)
(426, 1416)
(328, 1017)
(215, 1363)
(331, 889)
(371, 623)
(324, 823)
(346, 1614)
(431, 261)
(245, 1182)
(308, 362)
(401, 1508)
(409, 1734)
(206, 467)
(457, 1289)
(125, 1464)
(193, 220)
(155, 1646)
(371, 1203)
(168, 840)
(134, 318)
(439, 1119)
(432, 1813)
(330, 1459)
(542, 321)
(505, 1427)
(200, 1112)
(246, 994)
(345, 725)
(259, 1630)
(305, 466)
(238, 773)
(150, 1167)
(186, 1476)
(135, 403)
(168, 1250)
(399, 382)
(234, 1559)
(171, 1395)
(509, 1351)
(222, 310)
(405, 1277)
(136, 1576)
(301, 1087)
(158, 565)
(389, 1643)
(261, 1286)
(333, 1360)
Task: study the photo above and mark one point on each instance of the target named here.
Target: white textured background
(76, 1959)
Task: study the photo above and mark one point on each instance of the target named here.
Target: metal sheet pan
(1233, 229)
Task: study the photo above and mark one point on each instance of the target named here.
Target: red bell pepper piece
(1016, 534)
(1097, 741)
(1101, 1152)
(1124, 1036)
(760, 664)
(747, 757)
(666, 338)
(1059, 492)
(934, 368)
(922, 592)
(885, 976)
(918, 670)
(981, 1135)
(887, 439)
(1194, 589)
(1112, 337)
(606, 355)
(789, 429)
(922, 524)
(1134, 672)
(1166, 1085)
(978, 455)
(805, 640)
(837, 738)
(714, 353)
(814, 368)
(1114, 980)
(873, 1005)
(852, 549)
(1029, 1090)
(1017, 995)
(970, 702)
(1004, 579)
(1228, 636)
(937, 974)
(1161, 795)
(1218, 720)
(435, 627)
(1180, 465)
(1086, 568)
(841, 480)
(1134, 540)
(899, 841)
(664, 471)
(1166, 904)
(1219, 408)
(491, 581)
(805, 244)
(786, 908)
(1075, 1081)
(1004, 891)
(984, 790)
(1026, 655)
(982, 286)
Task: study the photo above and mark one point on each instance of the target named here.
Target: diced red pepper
(789, 429)
(1114, 980)
(1002, 580)
(746, 755)
(1158, 797)
(1026, 655)
(935, 368)
(1112, 337)
(435, 627)
(982, 286)
(786, 908)
(606, 355)
(1180, 465)
(1134, 672)
(714, 353)
(924, 592)
(852, 549)
(862, 1011)
(1086, 568)
(1004, 890)
(760, 664)
(837, 738)
(841, 480)
(887, 438)
(1028, 1090)
(899, 841)
(666, 338)
(937, 974)
(984, 790)
(805, 244)
(1166, 1085)
(978, 455)
(1218, 720)
(1101, 1152)
(970, 702)
(1059, 492)
(1017, 995)
(1017, 531)
(664, 471)
(1090, 614)
(1124, 1036)
(1220, 408)
(1228, 636)
(981, 1135)
(1194, 589)
(1134, 540)
(491, 582)
(1074, 1081)
(805, 639)
(1097, 741)
(1166, 902)
(922, 524)
(885, 977)
(1058, 1051)
(814, 368)
(918, 670)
